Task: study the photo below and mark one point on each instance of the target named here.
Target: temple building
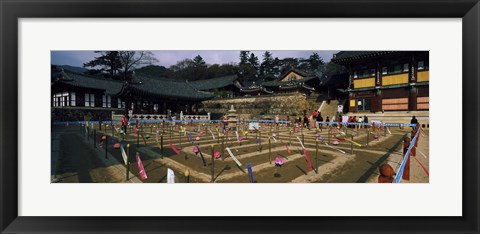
(221, 87)
(76, 95)
(386, 80)
(292, 81)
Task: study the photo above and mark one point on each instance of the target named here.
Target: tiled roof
(214, 83)
(111, 87)
(142, 85)
(345, 56)
(292, 69)
(166, 88)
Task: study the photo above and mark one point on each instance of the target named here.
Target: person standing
(360, 121)
(365, 120)
(314, 118)
(414, 121)
(124, 123)
(320, 119)
(339, 120)
(306, 121)
(225, 122)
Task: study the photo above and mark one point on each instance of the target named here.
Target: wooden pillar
(412, 99)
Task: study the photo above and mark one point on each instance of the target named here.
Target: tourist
(354, 121)
(414, 121)
(288, 121)
(339, 120)
(306, 121)
(277, 119)
(349, 121)
(360, 121)
(319, 119)
(365, 120)
(225, 122)
(314, 118)
(124, 123)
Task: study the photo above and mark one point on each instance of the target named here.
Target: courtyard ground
(78, 158)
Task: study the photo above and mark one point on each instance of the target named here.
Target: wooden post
(260, 139)
(368, 135)
(269, 150)
(290, 138)
(138, 135)
(329, 133)
(128, 161)
(213, 165)
(187, 176)
(106, 146)
(223, 147)
(100, 125)
(303, 139)
(94, 138)
(111, 124)
(161, 145)
(316, 155)
(351, 146)
(406, 170)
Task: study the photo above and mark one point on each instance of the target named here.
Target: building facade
(386, 80)
(76, 95)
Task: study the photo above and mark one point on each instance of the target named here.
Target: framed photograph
(225, 116)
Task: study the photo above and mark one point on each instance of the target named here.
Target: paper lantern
(197, 138)
(217, 154)
(335, 142)
(116, 146)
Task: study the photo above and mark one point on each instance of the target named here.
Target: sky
(171, 57)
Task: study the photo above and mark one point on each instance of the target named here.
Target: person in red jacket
(314, 118)
(124, 123)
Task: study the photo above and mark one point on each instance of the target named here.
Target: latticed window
(61, 99)
(90, 100)
(106, 101)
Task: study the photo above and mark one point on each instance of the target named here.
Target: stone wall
(261, 106)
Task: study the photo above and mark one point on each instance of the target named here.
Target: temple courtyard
(270, 154)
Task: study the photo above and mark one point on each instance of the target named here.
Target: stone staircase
(328, 109)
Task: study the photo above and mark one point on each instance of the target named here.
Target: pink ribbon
(141, 170)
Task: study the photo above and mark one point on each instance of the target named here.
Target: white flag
(170, 176)
(124, 155)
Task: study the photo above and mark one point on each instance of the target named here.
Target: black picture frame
(11, 11)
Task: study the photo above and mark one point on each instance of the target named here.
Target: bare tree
(132, 59)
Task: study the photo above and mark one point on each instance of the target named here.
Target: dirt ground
(81, 160)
